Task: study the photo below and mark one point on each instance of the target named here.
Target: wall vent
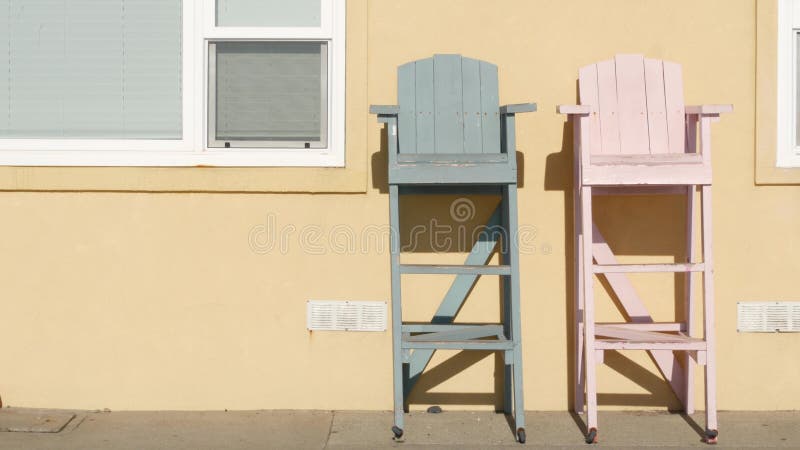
(345, 316)
(768, 317)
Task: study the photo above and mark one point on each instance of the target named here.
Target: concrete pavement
(370, 430)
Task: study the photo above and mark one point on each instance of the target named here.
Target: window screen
(90, 69)
(268, 94)
(269, 13)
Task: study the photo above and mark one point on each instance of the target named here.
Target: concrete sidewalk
(370, 430)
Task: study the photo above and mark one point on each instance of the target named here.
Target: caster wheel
(591, 438)
(521, 435)
(711, 436)
(398, 432)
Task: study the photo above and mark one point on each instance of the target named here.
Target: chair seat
(456, 168)
(658, 170)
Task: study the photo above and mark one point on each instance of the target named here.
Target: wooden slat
(648, 160)
(490, 105)
(608, 107)
(647, 175)
(454, 158)
(652, 346)
(656, 106)
(442, 174)
(448, 101)
(459, 334)
(648, 268)
(676, 119)
(632, 104)
(471, 81)
(407, 98)
(630, 334)
(436, 328)
(655, 326)
(460, 345)
(587, 84)
(708, 109)
(424, 105)
(432, 269)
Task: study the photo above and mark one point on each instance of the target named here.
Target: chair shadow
(694, 425)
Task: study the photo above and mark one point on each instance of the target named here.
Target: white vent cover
(346, 316)
(768, 317)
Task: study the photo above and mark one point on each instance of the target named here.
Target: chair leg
(580, 378)
(689, 299)
(511, 227)
(397, 310)
(508, 355)
(708, 313)
(588, 313)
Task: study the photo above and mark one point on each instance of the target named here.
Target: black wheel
(521, 435)
(711, 436)
(435, 410)
(398, 432)
(591, 438)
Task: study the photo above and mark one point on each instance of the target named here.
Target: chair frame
(413, 344)
(664, 175)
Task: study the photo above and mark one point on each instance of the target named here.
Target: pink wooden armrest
(703, 110)
(575, 109)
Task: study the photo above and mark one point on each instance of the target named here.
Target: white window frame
(788, 152)
(199, 28)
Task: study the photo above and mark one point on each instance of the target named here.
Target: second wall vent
(768, 317)
(345, 316)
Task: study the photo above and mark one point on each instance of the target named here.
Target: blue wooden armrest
(518, 108)
(384, 110)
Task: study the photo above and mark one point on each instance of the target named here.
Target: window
(788, 83)
(172, 83)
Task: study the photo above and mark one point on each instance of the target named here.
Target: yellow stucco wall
(136, 300)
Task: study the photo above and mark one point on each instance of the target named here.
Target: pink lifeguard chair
(633, 134)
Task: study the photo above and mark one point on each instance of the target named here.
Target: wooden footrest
(432, 269)
(610, 337)
(415, 342)
(648, 268)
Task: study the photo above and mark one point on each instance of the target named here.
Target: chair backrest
(639, 104)
(448, 104)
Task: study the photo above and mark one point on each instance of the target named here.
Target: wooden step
(457, 333)
(414, 342)
(435, 269)
(648, 268)
(610, 337)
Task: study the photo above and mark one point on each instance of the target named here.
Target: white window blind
(91, 69)
(269, 13)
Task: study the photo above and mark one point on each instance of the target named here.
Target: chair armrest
(518, 108)
(384, 110)
(578, 110)
(706, 110)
